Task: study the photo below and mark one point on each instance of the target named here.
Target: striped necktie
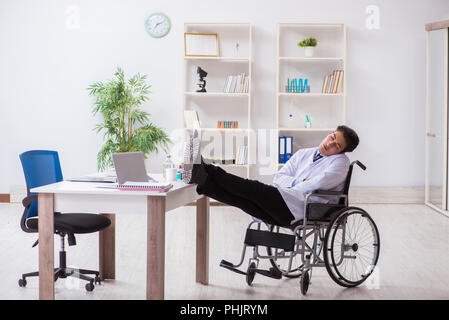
(317, 156)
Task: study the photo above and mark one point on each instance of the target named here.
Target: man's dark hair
(351, 138)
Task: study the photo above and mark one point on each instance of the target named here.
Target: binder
(288, 148)
(281, 149)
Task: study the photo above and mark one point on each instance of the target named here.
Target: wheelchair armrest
(28, 200)
(325, 193)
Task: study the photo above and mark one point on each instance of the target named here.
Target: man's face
(334, 143)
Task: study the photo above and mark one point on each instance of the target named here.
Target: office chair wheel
(304, 282)
(89, 287)
(97, 280)
(22, 283)
(250, 273)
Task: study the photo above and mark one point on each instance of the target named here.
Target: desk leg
(46, 246)
(107, 249)
(155, 247)
(202, 240)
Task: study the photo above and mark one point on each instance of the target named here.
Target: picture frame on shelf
(201, 44)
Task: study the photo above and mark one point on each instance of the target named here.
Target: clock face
(157, 25)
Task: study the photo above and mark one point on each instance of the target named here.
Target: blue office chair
(42, 167)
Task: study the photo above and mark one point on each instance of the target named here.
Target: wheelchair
(343, 239)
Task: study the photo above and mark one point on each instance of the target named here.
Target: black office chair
(42, 167)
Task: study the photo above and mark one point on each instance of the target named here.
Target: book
(228, 86)
(325, 84)
(337, 79)
(241, 155)
(331, 78)
(238, 82)
(146, 186)
(245, 154)
(334, 81)
(225, 89)
(340, 81)
(237, 156)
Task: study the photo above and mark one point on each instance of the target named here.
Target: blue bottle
(300, 86)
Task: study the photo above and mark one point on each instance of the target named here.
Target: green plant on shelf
(125, 125)
(308, 42)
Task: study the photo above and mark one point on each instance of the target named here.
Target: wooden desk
(89, 197)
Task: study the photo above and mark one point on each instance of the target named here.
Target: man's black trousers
(259, 200)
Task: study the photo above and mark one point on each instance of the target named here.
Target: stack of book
(191, 119)
(332, 83)
(228, 124)
(236, 84)
(242, 155)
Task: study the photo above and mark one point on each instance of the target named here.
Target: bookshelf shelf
(234, 59)
(325, 110)
(307, 129)
(229, 59)
(224, 129)
(217, 94)
(313, 59)
(311, 94)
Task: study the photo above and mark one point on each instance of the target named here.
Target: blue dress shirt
(301, 175)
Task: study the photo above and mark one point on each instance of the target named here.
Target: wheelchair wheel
(281, 264)
(250, 273)
(352, 245)
(304, 282)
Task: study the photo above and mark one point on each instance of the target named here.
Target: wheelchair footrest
(230, 266)
(270, 239)
(272, 273)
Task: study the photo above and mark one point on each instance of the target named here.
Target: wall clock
(157, 25)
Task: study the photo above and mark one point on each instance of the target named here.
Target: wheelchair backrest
(348, 178)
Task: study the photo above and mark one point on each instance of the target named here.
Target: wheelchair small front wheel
(351, 248)
(250, 273)
(304, 282)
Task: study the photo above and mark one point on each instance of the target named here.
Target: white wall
(45, 69)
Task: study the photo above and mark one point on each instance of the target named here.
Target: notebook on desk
(145, 186)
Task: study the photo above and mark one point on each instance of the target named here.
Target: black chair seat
(75, 222)
(322, 211)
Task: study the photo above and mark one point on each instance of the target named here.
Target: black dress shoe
(199, 174)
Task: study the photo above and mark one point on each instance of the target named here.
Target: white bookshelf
(215, 105)
(326, 110)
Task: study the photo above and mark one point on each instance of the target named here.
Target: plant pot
(309, 51)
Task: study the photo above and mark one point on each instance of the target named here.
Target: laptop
(94, 179)
(130, 166)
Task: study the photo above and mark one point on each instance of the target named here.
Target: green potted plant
(309, 45)
(125, 125)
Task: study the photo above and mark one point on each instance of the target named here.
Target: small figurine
(201, 82)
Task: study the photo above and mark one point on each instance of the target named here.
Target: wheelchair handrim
(366, 259)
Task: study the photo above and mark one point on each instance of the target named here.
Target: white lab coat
(327, 173)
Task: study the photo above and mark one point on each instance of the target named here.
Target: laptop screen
(130, 166)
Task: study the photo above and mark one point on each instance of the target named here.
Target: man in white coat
(320, 168)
